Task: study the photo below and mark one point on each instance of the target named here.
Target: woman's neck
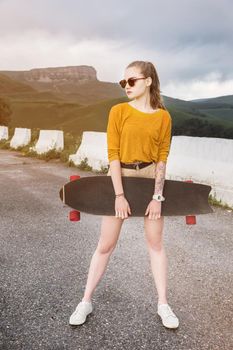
(142, 106)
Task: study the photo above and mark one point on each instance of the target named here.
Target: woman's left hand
(154, 209)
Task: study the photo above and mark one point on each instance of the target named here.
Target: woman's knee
(154, 234)
(105, 248)
(156, 245)
(110, 231)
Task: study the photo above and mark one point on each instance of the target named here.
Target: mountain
(228, 99)
(54, 78)
(71, 83)
(73, 99)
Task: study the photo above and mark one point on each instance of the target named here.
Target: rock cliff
(75, 74)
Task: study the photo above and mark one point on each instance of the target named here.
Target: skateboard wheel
(74, 177)
(190, 219)
(74, 215)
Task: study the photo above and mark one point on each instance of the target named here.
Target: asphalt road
(45, 259)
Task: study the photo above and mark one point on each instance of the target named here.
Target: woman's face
(140, 86)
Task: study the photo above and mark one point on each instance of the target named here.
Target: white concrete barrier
(48, 140)
(21, 137)
(94, 147)
(4, 133)
(202, 159)
(205, 160)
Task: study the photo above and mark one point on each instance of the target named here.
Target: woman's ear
(148, 81)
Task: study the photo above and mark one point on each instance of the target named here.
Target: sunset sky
(189, 41)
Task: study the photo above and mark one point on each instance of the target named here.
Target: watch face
(158, 197)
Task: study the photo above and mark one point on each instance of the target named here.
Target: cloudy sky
(190, 42)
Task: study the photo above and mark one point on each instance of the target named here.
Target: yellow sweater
(133, 135)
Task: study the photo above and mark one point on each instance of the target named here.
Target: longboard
(95, 195)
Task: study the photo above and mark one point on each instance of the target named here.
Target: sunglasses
(130, 81)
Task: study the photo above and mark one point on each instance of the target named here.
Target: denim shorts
(148, 171)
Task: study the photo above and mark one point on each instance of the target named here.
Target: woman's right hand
(122, 207)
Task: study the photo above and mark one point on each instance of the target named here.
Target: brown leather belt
(135, 165)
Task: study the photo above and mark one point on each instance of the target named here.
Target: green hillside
(67, 116)
(217, 108)
(76, 118)
(8, 85)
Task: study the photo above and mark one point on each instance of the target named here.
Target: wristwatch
(158, 197)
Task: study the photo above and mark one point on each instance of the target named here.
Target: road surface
(45, 259)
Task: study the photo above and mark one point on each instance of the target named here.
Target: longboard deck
(95, 195)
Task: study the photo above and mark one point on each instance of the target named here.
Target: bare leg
(158, 259)
(110, 230)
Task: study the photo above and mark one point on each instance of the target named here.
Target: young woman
(139, 139)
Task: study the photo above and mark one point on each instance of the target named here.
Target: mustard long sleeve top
(133, 135)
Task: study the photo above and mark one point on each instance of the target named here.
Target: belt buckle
(137, 166)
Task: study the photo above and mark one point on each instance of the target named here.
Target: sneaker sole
(79, 324)
(170, 327)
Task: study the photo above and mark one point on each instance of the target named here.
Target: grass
(86, 167)
(218, 203)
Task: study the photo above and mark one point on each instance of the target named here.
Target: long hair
(148, 70)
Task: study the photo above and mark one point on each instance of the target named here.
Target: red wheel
(74, 215)
(74, 177)
(190, 219)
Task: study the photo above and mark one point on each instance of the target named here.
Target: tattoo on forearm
(160, 177)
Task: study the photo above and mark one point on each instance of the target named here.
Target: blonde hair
(148, 70)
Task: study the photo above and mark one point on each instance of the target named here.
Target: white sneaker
(79, 316)
(168, 317)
